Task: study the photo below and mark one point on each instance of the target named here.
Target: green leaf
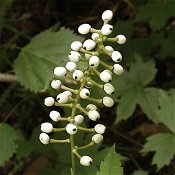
(155, 13)
(36, 61)
(166, 111)
(164, 147)
(131, 89)
(111, 164)
(8, 146)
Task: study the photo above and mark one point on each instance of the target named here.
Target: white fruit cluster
(88, 51)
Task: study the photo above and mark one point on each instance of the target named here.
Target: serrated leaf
(111, 164)
(8, 146)
(166, 111)
(131, 88)
(164, 147)
(34, 65)
(156, 16)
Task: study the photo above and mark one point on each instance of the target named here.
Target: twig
(7, 78)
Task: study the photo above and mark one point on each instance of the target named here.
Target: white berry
(109, 88)
(99, 128)
(116, 56)
(89, 44)
(106, 29)
(55, 84)
(105, 76)
(60, 71)
(71, 66)
(68, 93)
(107, 15)
(79, 119)
(84, 29)
(55, 116)
(121, 39)
(49, 101)
(86, 161)
(109, 49)
(108, 101)
(46, 127)
(44, 138)
(95, 36)
(93, 115)
(97, 138)
(84, 93)
(62, 98)
(78, 75)
(74, 56)
(76, 45)
(71, 128)
(94, 61)
(91, 107)
(118, 69)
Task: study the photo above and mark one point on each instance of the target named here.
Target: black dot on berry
(58, 99)
(109, 81)
(84, 48)
(76, 77)
(87, 94)
(74, 129)
(110, 28)
(90, 162)
(92, 64)
(112, 92)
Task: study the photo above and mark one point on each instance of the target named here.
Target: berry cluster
(89, 51)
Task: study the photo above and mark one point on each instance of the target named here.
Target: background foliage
(36, 36)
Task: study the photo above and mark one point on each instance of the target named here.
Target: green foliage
(8, 146)
(131, 88)
(111, 164)
(166, 111)
(139, 172)
(155, 17)
(163, 145)
(35, 63)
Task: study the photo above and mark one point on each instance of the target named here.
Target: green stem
(68, 89)
(94, 100)
(96, 84)
(63, 105)
(85, 146)
(58, 129)
(82, 109)
(86, 129)
(59, 141)
(106, 65)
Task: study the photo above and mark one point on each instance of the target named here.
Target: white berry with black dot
(84, 93)
(105, 76)
(62, 98)
(78, 75)
(116, 56)
(71, 129)
(109, 88)
(86, 161)
(106, 29)
(94, 61)
(89, 44)
(74, 56)
(44, 138)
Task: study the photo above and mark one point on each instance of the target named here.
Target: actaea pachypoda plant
(88, 51)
